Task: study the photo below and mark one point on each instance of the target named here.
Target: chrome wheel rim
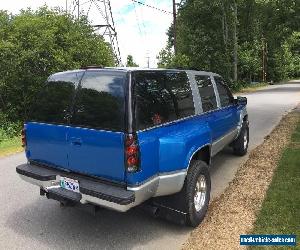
(200, 193)
(245, 139)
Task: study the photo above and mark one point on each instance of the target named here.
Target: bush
(237, 86)
(35, 44)
(8, 129)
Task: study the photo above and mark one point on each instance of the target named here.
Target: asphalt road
(28, 221)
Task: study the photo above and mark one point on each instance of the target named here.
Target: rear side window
(53, 104)
(99, 101)
(207, 93)
(160, 97)
(225, 95)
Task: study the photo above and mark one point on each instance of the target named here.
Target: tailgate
(98, 153)
(46, 144)
(87, 151)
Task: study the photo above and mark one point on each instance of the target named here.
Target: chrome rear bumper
(100, 194)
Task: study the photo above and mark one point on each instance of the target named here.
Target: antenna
(105, 25)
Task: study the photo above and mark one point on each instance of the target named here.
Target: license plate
(69, 184)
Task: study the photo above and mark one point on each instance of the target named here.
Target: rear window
(100, 101)
(93, 99)
(161, 97)
(53, 104)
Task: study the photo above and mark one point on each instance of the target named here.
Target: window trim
(167, 123)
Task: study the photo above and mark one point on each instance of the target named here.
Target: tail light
(23, 135)
(132, 153)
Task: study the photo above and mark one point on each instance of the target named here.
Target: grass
(10, 146)
(280, 212)
(252, 88)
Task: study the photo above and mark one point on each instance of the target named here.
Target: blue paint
(96, 152)
(223, 121)
(87, 151)
(46, 143)
(101, 153)
(169, 148)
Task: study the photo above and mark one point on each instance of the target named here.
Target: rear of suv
(118, 138)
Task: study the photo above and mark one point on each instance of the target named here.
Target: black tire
(197, 169)
(240, 147)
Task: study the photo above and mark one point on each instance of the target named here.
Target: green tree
(209, 33)
(287, 58)
(35, 44)
(167, 59)
(130, 62)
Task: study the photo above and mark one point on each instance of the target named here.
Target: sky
(141, 30)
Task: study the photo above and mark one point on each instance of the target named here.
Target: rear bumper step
(63, 195)
(91, 191)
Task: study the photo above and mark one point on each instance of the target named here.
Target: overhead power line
(142, 34)
(153, 7)
(137, 19)
(89, 1)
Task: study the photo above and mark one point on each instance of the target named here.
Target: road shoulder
(10, 146)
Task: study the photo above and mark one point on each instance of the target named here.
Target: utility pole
(66, 6)
(264, 60)
(235, 44)
(174, 26)
(78, 9)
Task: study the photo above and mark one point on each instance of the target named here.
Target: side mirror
(241, 100)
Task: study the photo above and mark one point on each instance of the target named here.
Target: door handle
(76, 141)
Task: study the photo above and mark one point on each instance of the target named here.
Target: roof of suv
(159, 69)
(133, 69)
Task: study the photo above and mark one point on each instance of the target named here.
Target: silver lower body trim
(164, 184)
(218, 145)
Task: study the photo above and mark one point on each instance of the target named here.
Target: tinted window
(161, 97)
(207, 94)
(100, 101)
(54, 102)
(225, 95)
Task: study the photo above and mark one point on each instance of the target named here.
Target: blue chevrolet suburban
(120, 137)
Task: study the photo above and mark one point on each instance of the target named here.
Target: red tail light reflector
(132, 161)
(131, 150)
(132, 153)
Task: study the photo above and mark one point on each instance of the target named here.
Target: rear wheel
(196, 192)
(188, 206)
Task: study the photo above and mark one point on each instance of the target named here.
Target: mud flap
(163, 212)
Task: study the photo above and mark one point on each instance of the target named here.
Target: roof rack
(187, 68)
(92, 67)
